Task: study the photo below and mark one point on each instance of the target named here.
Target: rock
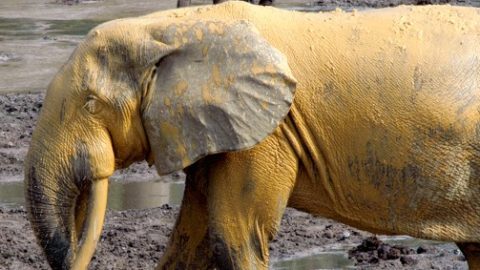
(386, 252)
(422, 249)
(407, 261)
(369, 244)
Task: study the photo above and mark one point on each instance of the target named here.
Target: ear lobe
(223, 89)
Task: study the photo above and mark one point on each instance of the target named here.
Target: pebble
(407, 261)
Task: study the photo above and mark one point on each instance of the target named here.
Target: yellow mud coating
(205, 51)
(181, 87)
(270, 68)
(216, 28)
(264, 105)
(216, 76)
(356, 88)
(167, 102)
(199, 34)
(174, 132)
(208, 94)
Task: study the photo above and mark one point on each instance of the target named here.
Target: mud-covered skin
(379, 115)
(383, 112)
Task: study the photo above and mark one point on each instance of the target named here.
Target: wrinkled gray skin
(186, 3)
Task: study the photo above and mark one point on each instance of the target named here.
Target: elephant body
(385, 116)
(383, 132)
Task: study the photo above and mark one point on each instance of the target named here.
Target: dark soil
(136, 239)
(390, 3)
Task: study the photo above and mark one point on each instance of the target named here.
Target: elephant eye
(92, 104)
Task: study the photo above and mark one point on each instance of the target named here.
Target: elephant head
(167, 91)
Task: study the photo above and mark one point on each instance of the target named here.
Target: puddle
(141, 195)
(321, 260)
(121, 196)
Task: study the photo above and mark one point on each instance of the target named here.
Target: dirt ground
(135, 239)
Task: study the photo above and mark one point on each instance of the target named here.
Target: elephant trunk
(65, 204)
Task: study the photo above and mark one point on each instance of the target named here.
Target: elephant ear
(222, 88)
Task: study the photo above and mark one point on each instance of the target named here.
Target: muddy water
(121, 196)
(37, 36)
(320, 260)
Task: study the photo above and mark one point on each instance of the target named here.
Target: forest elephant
(370, 118)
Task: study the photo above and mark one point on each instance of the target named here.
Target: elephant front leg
(471, 251)
(248, 192)
(189, 246)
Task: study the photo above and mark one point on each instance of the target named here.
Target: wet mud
(136, 239)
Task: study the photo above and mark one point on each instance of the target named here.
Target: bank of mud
(136, 239)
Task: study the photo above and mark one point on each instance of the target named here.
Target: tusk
(94, 224)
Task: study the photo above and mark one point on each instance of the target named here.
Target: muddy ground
(135, 239)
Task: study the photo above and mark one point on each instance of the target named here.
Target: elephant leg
(471, 251)
(189, 246)
(266, 2)
(248, 192)
(184, 3)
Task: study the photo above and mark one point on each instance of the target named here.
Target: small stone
(421, 250)
(407, 261)
(373, 260)
(369, 244)
(328, 234)
(386, 252)
(393, 254)
(405, 250)
(166, 207)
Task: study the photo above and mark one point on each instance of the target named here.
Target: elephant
(369, 118)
